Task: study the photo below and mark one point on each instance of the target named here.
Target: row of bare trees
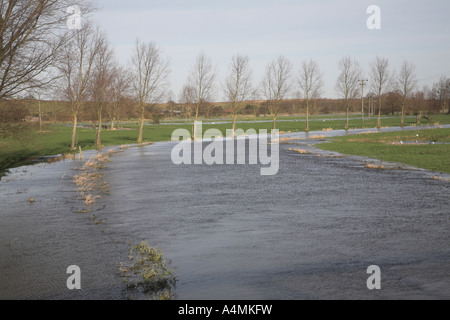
(90, 75)
(279, 82)
(382, 79)
(238, 88)
(37, 49)
(440, 94)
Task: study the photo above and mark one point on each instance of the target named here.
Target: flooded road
(309, 232)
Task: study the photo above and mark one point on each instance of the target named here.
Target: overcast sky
(322, 30)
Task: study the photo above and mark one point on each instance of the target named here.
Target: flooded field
(309, 232)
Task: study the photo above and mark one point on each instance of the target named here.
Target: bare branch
(31, 34)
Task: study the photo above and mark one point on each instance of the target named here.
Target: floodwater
(309, 232)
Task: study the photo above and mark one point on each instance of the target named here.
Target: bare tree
(76, 66)
(119, 90)
(101, 83)
(441, 93)
(171, 104)
(255, 97)
(276, 85)
(31, 34)
(381, 80)
(347, 83)
(309, 81)
(201, 80)
(187, 99)
(150, 72)
(406, 83)
(238, 87)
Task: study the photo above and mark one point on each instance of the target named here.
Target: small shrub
(157, 117)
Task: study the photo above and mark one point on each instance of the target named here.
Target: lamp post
(362, 84)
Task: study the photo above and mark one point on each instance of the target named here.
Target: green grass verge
(380, 146)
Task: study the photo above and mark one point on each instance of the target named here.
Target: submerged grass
(90, 182)
(148, 273)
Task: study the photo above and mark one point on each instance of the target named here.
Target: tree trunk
(346, 116)
(194, 134)
(403, 115)
(40, 115)
(234, 125)
(274, 125)
(141, 128)
(379, 113)
(362, 107)
(315, 109)
(74, 131)
(98, 143)
(307, 116)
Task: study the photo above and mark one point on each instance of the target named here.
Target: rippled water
(309, 232)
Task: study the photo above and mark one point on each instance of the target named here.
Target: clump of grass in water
(301, 151)
(154, 278)
(90, 180)
(374, 166)
(440, 178)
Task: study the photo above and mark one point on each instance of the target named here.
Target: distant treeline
(27, 110)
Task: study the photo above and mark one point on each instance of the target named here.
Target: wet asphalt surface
(309, 232)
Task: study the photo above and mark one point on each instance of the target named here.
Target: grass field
(388, 146)
(21, 149)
